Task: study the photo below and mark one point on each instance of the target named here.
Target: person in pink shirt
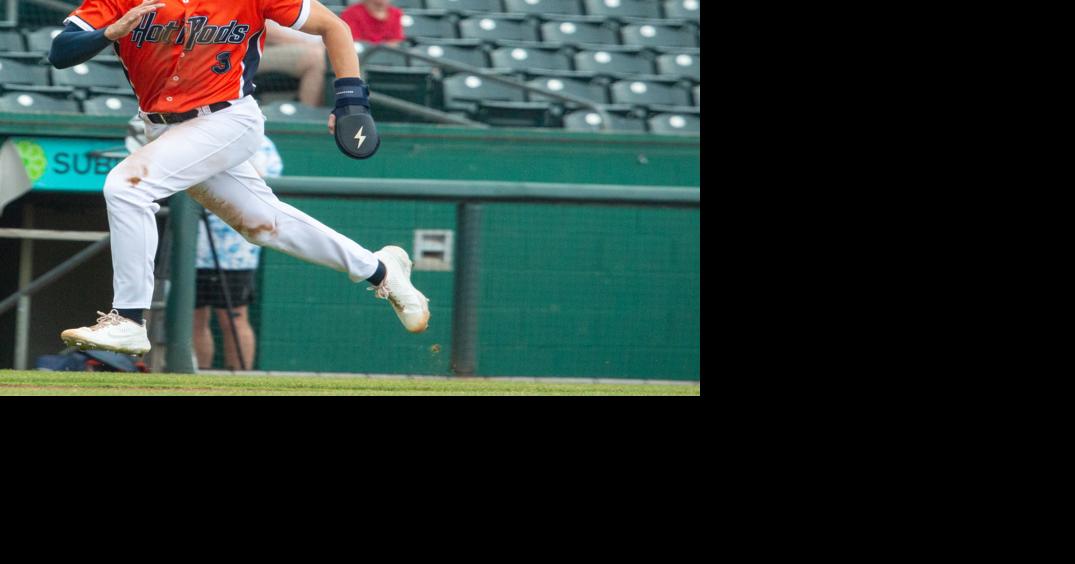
(375, 21)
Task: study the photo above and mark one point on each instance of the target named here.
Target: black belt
(170, 119)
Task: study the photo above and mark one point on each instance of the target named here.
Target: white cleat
(113, 332)
(411, 306)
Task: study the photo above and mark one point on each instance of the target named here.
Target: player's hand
(351, 122)
(130, 20)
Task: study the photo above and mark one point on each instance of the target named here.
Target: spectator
(375, 21)
(239, 259)
(298, 55)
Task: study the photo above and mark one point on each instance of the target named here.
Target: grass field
(34, 383)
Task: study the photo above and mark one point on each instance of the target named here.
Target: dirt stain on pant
(255, 232)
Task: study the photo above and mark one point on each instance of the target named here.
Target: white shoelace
(111, 318)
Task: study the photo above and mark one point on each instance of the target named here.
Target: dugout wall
(566, 290)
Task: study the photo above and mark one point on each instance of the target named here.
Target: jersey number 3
(225, 63)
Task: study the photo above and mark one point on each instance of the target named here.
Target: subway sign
(62, 164)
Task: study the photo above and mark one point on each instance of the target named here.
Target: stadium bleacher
(639, 59)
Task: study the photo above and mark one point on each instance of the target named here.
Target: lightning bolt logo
(361, 138)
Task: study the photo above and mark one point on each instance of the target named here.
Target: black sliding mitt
(356, 134)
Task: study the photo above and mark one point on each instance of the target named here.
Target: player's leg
(177, 157)
(241, 198)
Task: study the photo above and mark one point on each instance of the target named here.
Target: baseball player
(191, 64)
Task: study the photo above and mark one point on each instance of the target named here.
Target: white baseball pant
(209, 155)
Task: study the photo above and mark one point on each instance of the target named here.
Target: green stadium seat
(579, 32)
(589, 90)
(675, 124)
(110, 106)
(697, 92)
(463, 92)
(332, 3)
(542, 7)
(30, 102)
(18, 72)
(465, 5)
(90, 74)
(428, 24)
(379, 57)
(517, 114)
(471, 55)
(588, 120)
(488, 28)
(522, 59)
(685, 65)
(11, 40)
(623, 8)
(294, 111)
(657, 35)
(124, 90)
(404, 4)
(648, 93)
(683, 9)
(41, 40)
(611, 62)
(413, 85)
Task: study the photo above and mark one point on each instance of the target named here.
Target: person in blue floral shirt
(239, 261)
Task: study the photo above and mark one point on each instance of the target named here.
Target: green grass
(32, 383)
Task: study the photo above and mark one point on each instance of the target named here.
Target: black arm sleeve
(75, 46)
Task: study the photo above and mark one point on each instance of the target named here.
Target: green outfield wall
(566, 290)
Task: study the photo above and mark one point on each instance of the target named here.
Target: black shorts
(211, 293)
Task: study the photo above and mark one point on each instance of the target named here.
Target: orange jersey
(192, 53)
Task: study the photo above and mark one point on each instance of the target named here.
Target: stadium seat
(11, 40)
(111, 106)
(41, 40)
(645, 93)
(463, 92)
(579, 32)
(293, 111)
(331, 3)
(466, 54)
(588, 90)
(494, 28)
(379, 57)
(655, 35)
(405, 4)
(517, 114)
(459, 5)
(18, 72)
(623, 8)
(522, 59)
(675, 123)
(90, 74)
(613, 62)
(542, 7)
(413, 85)
(697, 91)
(24, 102)
(683, 9)
(588, 120)
(685, 65)
(428, 24)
